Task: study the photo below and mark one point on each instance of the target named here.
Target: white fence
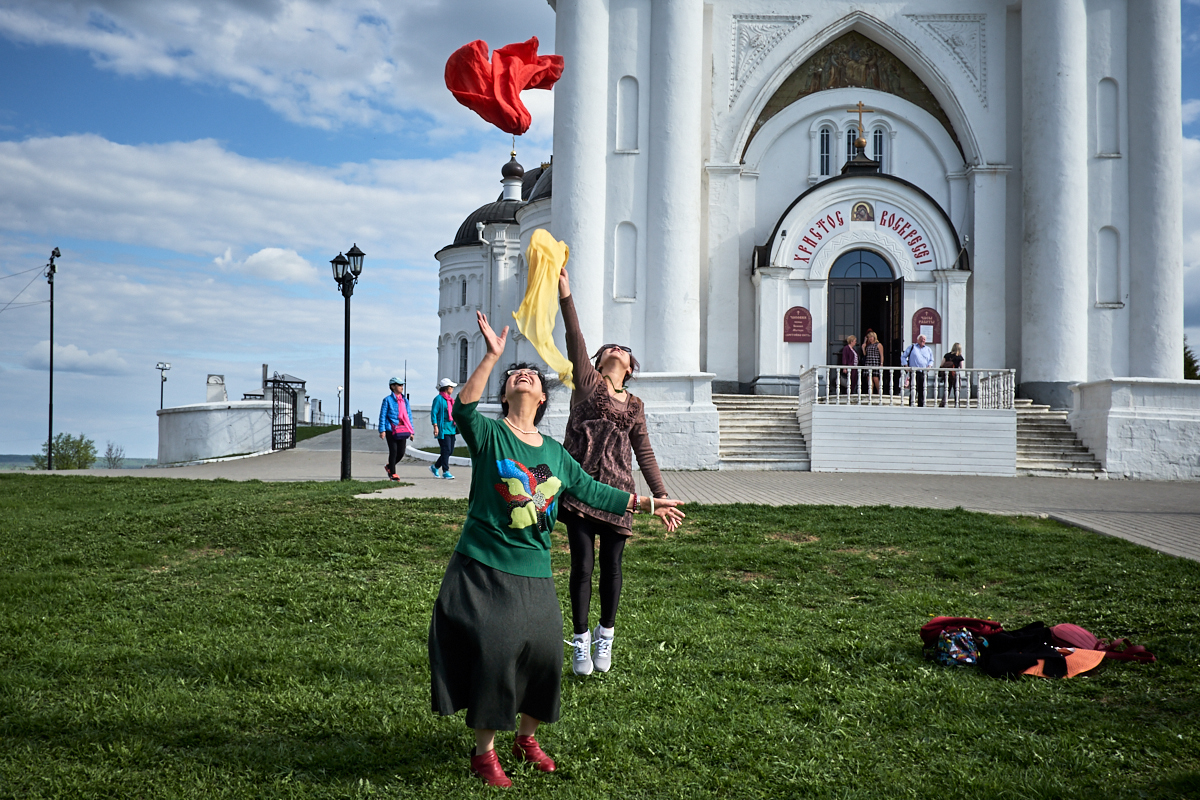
(900, 386)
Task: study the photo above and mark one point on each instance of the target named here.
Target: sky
(199, 162)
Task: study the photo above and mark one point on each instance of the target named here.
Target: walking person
(607, 424)
(441, 414)
(918, 358)
(873, 357)
(395, 424)
(948, 381)
(494, 639)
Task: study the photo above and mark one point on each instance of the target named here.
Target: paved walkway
(1161, 515)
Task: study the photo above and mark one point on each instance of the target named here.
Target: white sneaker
(581, 655)
(602, 658)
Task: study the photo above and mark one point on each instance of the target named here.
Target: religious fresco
(852, 61)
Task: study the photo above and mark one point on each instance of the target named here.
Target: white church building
(1019, 193)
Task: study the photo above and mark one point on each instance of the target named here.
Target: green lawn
(187, 639)
(309, 431)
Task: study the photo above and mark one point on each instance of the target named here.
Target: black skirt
(495, 646)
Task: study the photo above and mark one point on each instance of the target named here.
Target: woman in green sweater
(495, 641)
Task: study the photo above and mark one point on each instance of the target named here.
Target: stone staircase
(1047, 446)
(760, 432)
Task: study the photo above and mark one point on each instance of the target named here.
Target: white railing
(906, 386)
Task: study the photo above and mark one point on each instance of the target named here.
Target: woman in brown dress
(607, 423)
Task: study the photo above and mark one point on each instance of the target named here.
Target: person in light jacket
(395, 424)
(441, 414)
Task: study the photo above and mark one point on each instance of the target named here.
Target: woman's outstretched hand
(667, 511)
(495, 344)
(564, 284)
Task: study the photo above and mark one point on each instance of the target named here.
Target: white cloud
(1191, 235)
(69, 358)
(314, 62)
(271, 263)
(1191, 111)
(198, 198)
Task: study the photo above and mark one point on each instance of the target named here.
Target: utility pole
(50, 270)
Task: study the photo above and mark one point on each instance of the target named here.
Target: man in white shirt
(919, 358)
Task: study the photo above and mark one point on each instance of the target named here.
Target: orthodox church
(743, 184)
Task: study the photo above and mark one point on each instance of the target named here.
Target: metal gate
(283, 414)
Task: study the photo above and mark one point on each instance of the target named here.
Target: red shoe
(527, 749)
(487, 766)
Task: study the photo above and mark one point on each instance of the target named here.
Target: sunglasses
(618, 346)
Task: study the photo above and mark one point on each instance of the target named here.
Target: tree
(114, 455)
(1191, 369)
(70, 452)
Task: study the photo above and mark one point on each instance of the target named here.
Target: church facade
(1024, 199)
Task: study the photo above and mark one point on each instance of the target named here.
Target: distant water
(26, 462)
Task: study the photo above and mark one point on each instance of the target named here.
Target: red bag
(493, 90)
(1068, 635)
(931, 630)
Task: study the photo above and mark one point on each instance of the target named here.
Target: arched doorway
(864, 293)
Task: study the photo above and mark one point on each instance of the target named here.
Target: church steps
(760, 432)
(1046, 445)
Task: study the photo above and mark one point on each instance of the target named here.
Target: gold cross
(860, 109)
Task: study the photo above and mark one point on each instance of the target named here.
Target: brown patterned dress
(602, 433)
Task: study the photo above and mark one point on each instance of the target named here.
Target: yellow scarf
(535, 318)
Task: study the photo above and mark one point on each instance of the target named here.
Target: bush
(70, 452)
(114, 455)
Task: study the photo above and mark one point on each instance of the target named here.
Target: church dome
(512, 169)
(542, 185)
(499, 211)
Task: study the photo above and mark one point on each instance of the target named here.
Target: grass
(461, 452)
(309, 431)
(188, 639)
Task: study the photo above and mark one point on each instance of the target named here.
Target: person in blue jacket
(395, 424)
(441, 414)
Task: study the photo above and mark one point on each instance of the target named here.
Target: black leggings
(395, 451)
(581, 536)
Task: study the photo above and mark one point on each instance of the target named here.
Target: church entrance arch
(865, 294)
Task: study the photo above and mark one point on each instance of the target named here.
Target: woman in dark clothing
(494, 640)
(606, 424)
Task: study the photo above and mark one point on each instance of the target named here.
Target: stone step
(742, 464)
(1030, 463)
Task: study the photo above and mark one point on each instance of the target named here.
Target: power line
(13, 306)
(18, 294)
(22, 272)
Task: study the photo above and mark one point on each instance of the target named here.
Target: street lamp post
(162, 368)
(50, 271)
(346, 269)
(339, 416)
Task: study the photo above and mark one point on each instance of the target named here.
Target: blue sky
(198, 164)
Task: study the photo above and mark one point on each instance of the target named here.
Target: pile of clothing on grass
(1060, 651)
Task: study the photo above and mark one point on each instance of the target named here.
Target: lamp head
(163, 365)
(356, 258)
(339, 267)
(55, 254)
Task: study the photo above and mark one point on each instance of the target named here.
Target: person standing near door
(441, 414)
(395, 424)
(918, 358)
(850, 359)
(873, 357)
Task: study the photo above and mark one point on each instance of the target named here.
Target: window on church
(462, 361)
(464, 292)
(826, 150)
(851, 135)
(877, 148)
(860, 264)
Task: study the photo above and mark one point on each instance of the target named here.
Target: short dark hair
(541, 410)
(634, 366)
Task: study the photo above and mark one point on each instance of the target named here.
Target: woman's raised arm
(472, 390)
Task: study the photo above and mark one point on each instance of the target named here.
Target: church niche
(853, 61)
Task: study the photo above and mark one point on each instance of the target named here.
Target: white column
(1155, 191)
(952, 289)
(1054, 284)
(580, 138)
(724, 270)
(771, 287)
(673, 196)
(989, 189)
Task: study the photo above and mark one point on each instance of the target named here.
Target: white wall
(213, 430)
(951, 441)
(1145, 428)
